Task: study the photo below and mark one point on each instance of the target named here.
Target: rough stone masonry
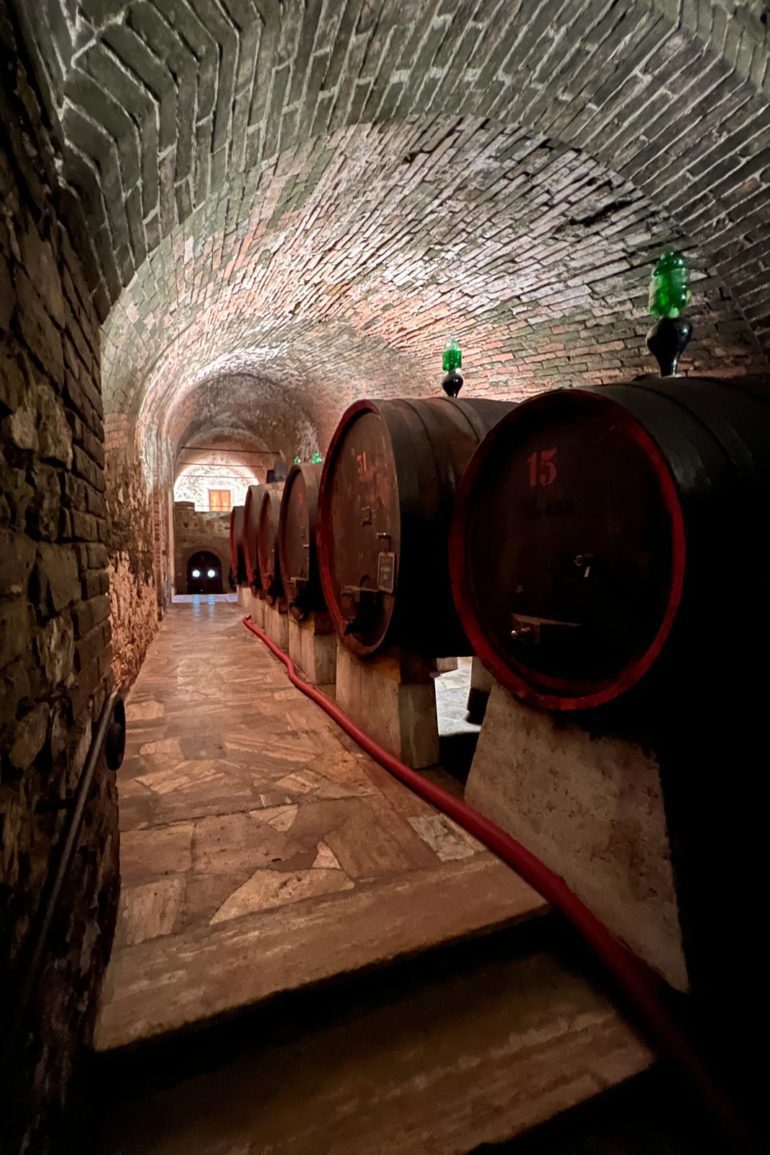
(54, 619)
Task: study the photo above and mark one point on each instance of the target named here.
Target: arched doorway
(204, 573)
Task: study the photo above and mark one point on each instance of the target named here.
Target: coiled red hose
(635, 979)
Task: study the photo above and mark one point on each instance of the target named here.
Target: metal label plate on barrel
(386, 572)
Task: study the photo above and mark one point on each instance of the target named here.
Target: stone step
(212, 971)
(469, 1045)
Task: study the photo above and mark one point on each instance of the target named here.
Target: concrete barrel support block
(251, 604)
(590, 806)
(258, 606)
(277, 626)
(393, 698)
(313, 649)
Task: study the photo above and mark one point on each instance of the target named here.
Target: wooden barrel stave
(267, 542)
(250, 526)
(237, 564)
(384, 511)
(297, 541)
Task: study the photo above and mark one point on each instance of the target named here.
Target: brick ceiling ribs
(241, 411)
(290, 204)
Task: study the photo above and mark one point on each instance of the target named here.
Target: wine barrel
(267, 541)
(385, 505)
(599, 533)
(237, 564)
(251, 510)
(297, 541)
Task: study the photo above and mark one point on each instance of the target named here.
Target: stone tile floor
(451, 699)
(249, 819)
(203, 599)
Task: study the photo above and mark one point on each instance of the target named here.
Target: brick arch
(361, 254)
(243, 408)
(180, 577)
(247, 464)
(204, 546)
(160, 101)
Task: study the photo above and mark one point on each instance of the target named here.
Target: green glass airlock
(452, 357)
(451, 360)
(669, 286)
(669, 297)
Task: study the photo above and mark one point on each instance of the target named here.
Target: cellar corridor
(266, 861)
(250, 252)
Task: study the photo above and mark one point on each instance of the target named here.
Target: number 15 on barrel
(543, 468)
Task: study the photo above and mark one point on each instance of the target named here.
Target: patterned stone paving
(451, 700)
(250, 821)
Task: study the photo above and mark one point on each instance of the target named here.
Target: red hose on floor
(638, 983)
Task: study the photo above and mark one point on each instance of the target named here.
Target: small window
(220, 500)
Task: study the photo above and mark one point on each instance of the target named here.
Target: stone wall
(54, 622)
(134, 610)
(195, 530)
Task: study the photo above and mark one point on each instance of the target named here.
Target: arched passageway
(204, 573)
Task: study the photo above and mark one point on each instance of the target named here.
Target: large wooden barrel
(237, 563)
(297, 541)
(599, 533)
(385, 505)
(267, 541)
(251, 510)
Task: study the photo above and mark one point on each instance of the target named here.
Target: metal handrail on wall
(110, 738)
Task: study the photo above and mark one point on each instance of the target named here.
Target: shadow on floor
(456, 754)
(649, 1115)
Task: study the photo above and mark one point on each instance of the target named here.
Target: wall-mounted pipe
(638, 983)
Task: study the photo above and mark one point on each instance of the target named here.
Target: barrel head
(361, 526)
(297, 540)
(267, 541)
(250, 526)
(567, 553)
(237, 561)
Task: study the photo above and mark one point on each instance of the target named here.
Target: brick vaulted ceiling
(290, 204)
